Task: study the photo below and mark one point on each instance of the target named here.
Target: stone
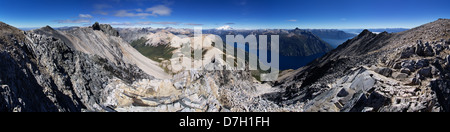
(107, 29)
(409, 64)
(179, 85)
(428, 50)
(363, 82)
(438, 49)
(397, 65)
(399, 75)
(435, 71)
(447, 61)
(384, 71)
(415, 81)
(421, 63)
(343, 93)
(407, 52)
(405, 70)
(420, 48)
(367, 109)
(425, 72)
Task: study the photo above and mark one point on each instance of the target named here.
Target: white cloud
(120, 23)
(293, 20)
(160, 23)
(85, 16)
(74, 21)
(125, 13)
(160, 10)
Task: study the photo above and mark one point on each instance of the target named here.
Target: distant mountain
(377, 30)
(226, 27)
(295, 42)
(297, 47)
(331, 33)
(332, 36)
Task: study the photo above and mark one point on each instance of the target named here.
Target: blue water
(286, 62)
(335, 42)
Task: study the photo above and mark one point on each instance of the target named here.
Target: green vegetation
(153, 52)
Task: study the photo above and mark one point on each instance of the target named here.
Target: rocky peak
(365, 32)
(106, 28)
(47, 28)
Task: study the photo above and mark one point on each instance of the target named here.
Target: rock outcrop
(42, 73)
(398, 72)
(107, 29)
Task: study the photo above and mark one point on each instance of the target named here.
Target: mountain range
(99, 68)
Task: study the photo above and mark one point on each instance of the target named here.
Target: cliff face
(104, 44)
(406, 71)
(42, 73)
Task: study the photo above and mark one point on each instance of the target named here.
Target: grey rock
(409, 64)
(400, 75)
(408, 52)
(420, 48)
(425, 72)
(343, 93)
(363, 82)
(397, 65)
(421, 63)
(405, 70)
(438, 49)
(107, 29)
(428, 50)
(447, 61)
(442, 88)
(384, 71)
(415, 81)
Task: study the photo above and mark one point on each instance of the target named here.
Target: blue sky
(239, 14)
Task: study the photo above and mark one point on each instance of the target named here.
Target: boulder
(343, 93)
(425, 72)
(409, 64)
(363, 82)
(107, 29)
(405, 70)
(415, 81)
(397, 75)
(384, 71)
(421, 63)
(419, 48)
(438, 49)
(397, 65)
(428, 50)
(407, 52)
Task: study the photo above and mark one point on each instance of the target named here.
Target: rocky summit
(96, 69)
(397, 72)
